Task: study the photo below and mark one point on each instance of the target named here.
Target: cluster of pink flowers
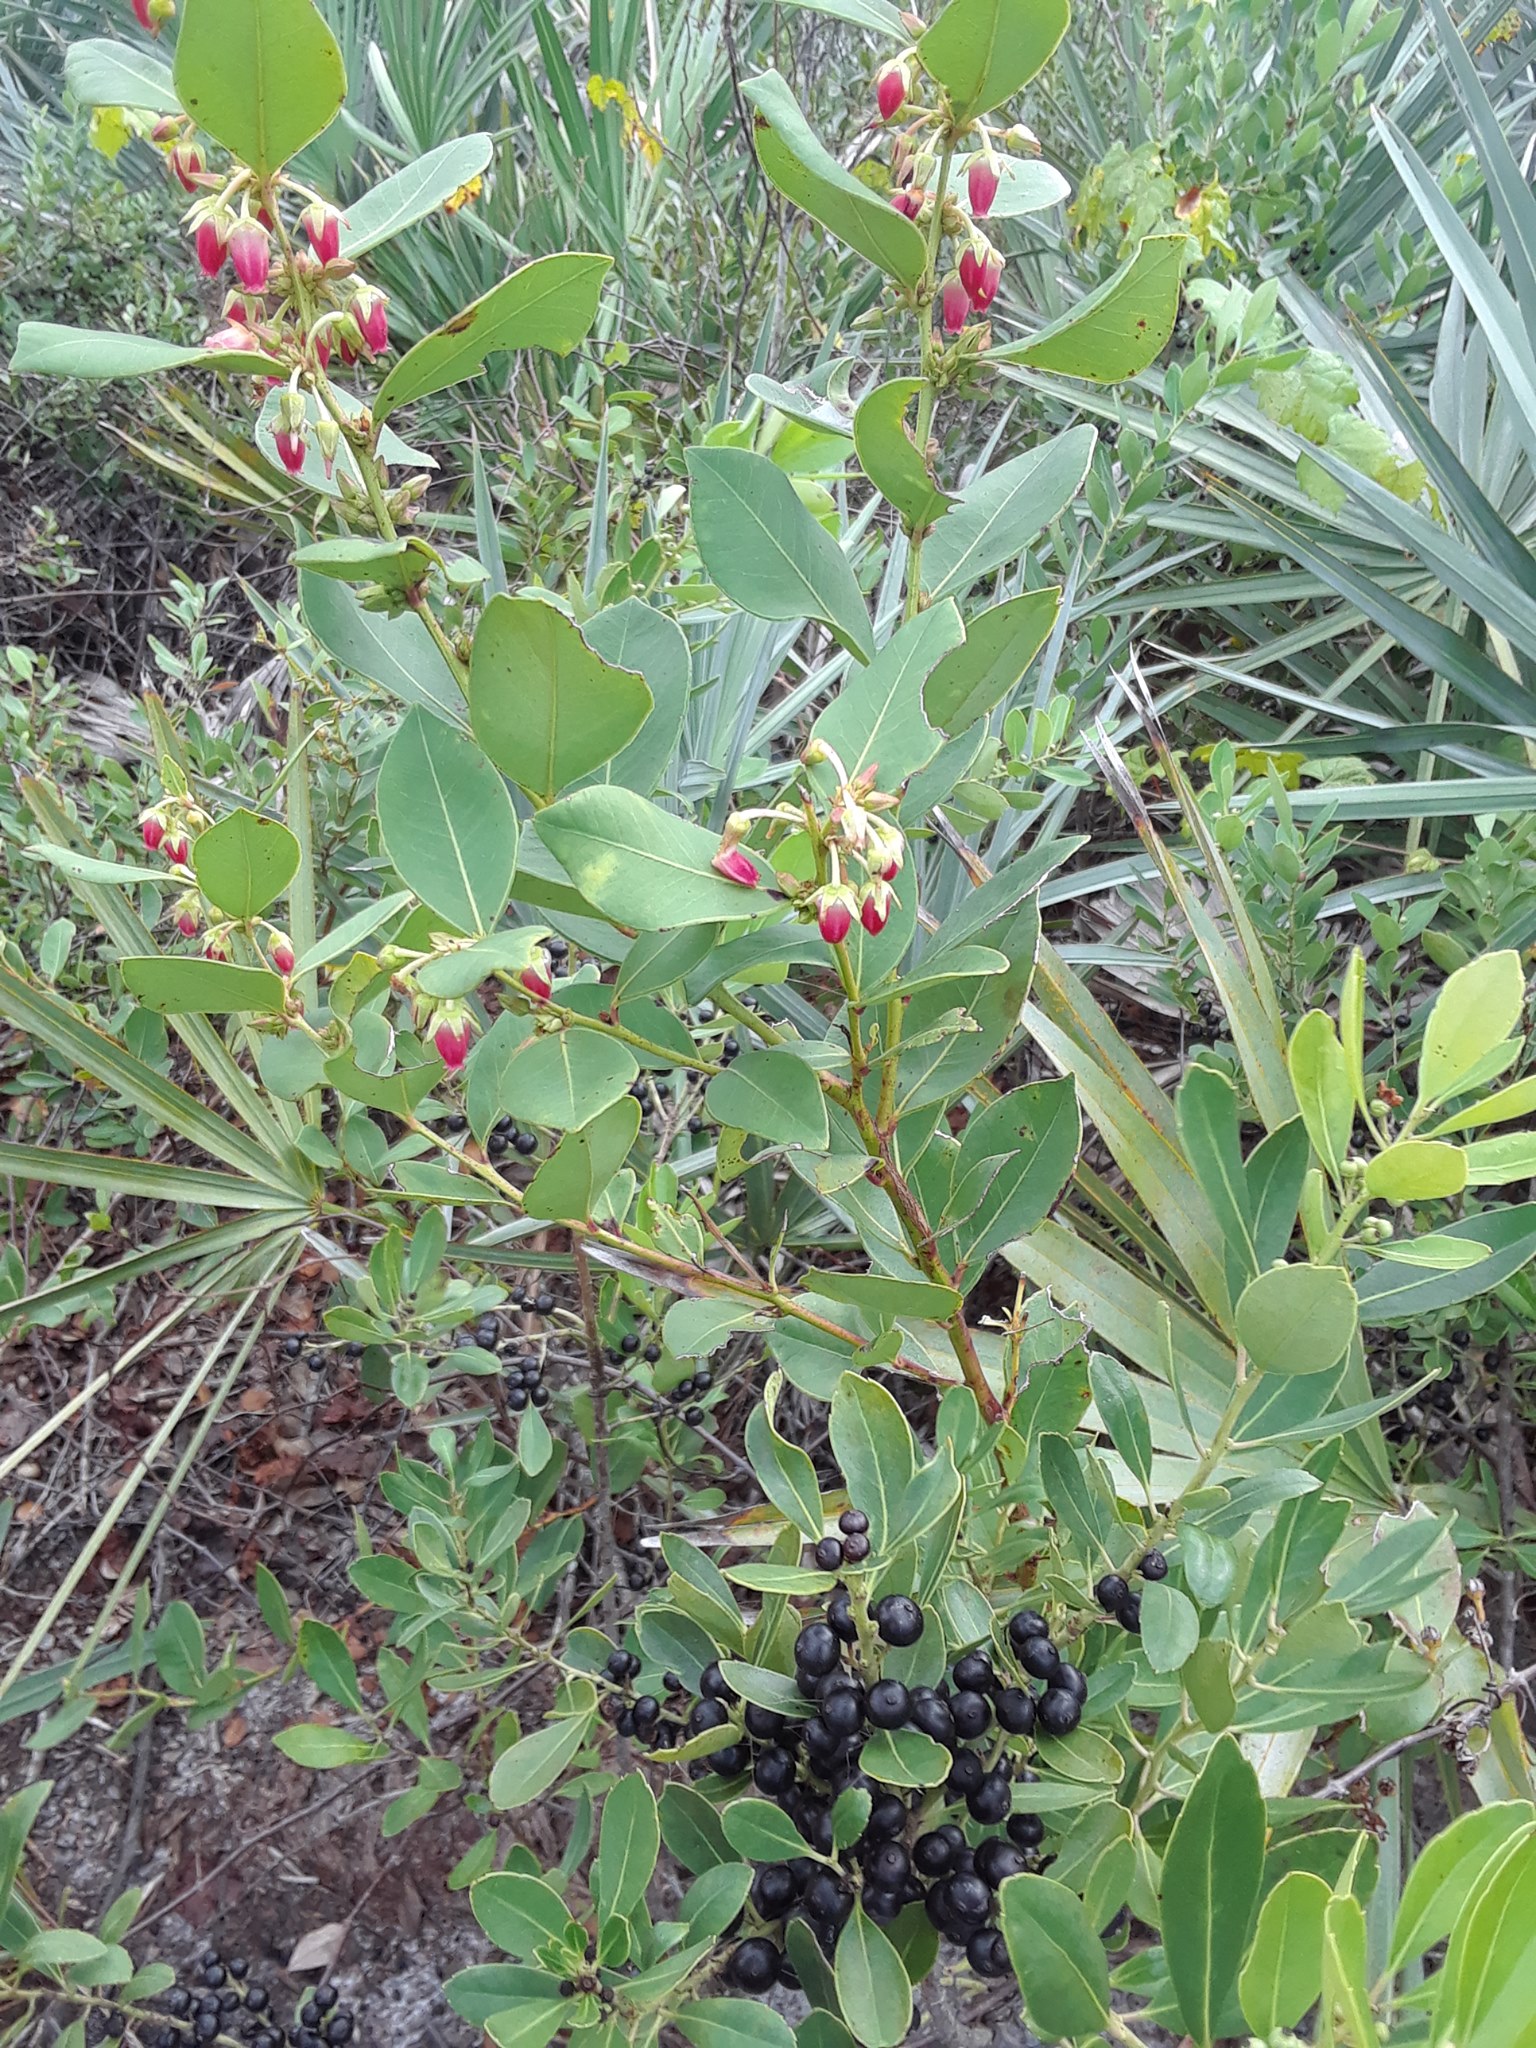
(854, 833)
(972, 285)
(295, 297)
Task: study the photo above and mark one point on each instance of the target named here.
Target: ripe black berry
(1016, 1711)
(339, 2030)
(827, 1899)
(889, 1703)
(1154, 1565)
(887, 1817)
(828, 1554)
(213, 1976)
(517, 1399)
(840, 1615)
(991, 1800)
(526, 1143)
(1067, 1678)
(971, 1714)
(543, 1302)
(1110, 1591)
(774, 1772)
(760, 1722)
(855, 1549)
(817, 1651)
(629, 1343)
(899, 1620)
(1058, 1713)
(727, 1762)
(987, 1953)
(693, 1416)
(774, 1890)
(1128, 1613)
(706, 1714)
(1027, 1830)
(967, 1899)
(843, 1712)
(652, 1354)
(973, 1673)
(755, 1965)
(853, 1522)
(1026, 1623)
(1040, 1657)
(713, 1684)
(965, 1774)
(933, 1854)
(997, 1860)
(888, 1866)
(933, 1718)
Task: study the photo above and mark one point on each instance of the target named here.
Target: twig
(607, 1543)
(1449, 1727)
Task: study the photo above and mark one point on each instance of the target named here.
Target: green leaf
(996, 518)
(888, 1298)
(46, 349)
(1283, 1974)
(398, 202)
(319, 1747)
(1117, 330)
(273, 1602)
(760, 1832)
(733, 2023)
(531, 1765)
(627, 1845)
(850, 1816)
(1495, 1162)
(1213, 1870)
(767, 550)
(775, 1096)
(323, 1655)
(891, 459)
(1417, 1170)
(398, 654)
(876, 720)
(447, 823)
(175, 986)
(519, 1912)
(1485, 1982)
(1518, 1099)
(106, 73)
(1015, 1158)
(1297, 1319)
(1000, 643)
(1208, 1123)
(1446, 1872)
(1320, 1076)
(784, 1471)
(563, 1079)
(691, 1829)
(1123, 1413)
(1170, 1626)
(1478, 1009)
(793, 159)
(548, 303)
(544, 707)
(463, 968)
(638, 864)
(634, 635)
(873, 1445)
(872, 1986)
(905, 1756)
(714, 1900)
(396, 1093)
(244, 863)
(16, 1820)
(262, 77)
(531, 2023)
(1059, 1960)
(984, 51)
(567, 1186)
(1391, 1293)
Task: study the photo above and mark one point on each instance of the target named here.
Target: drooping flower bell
(322, 224)
(187, 161)
(956, 306)
(891, 90)
(451, 1034)
(283, 957)
(152, 830)
(250, 250)
(981, 185)
(370, 312)
(875, 906)
(212, 245)
(836, 906)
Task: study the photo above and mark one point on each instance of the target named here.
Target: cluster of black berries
(533, 1300)
(505, 1137)
(524, 1379)
(220, 1998)
(851, 1547)
(302, 1343)
(1114, 1594)
(907, 1854)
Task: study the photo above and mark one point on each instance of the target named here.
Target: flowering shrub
(1092, 1579)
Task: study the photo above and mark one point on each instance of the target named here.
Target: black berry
(1154, 1565)
(889, 1703)
(1058, 1713)
(899, 1620)
(755, 1965)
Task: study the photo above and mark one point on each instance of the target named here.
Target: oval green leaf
(176, 987)
(1060, 1962)
(244, 863)
(544, 707)
(1297, 1319)
(447, 822)
(640, 865)
(262, 77)
(872, 1986)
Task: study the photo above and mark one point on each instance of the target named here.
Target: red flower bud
(452, 1041)
(891, 90)
(537, 983)
(907, 203)
(231, 338)
(283, 958)
(152, 825)
(215, 949)
(322, 224)
(175, 849)
(369, 310)
(982, 278)
(142, 16)
(981, 183)
(875, 908)
(290, 448)
(834, 916)
(186, 924)
(731, 862)
(212, 247)
(250, 250)
(957, 305)
(186, 160)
